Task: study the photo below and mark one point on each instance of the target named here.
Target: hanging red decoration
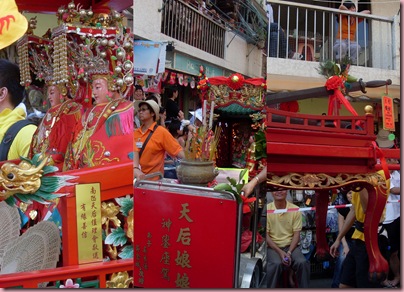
(203, 84)
(173, 77)
(186, 80)
(180, 79)
(165, 75)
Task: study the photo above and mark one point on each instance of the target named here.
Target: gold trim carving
(120, 280)
(311, 181)
(248, 95)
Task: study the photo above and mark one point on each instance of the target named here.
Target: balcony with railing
(205, 27)
(311, 31)
(187, 24)
(302, 35)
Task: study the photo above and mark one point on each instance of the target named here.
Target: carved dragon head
(30, 181)
(22, 178)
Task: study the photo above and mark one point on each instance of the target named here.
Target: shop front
(174, 70)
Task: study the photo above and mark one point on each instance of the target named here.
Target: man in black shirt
(172, 110)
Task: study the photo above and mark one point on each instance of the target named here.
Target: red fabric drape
(383, 162)
(336, 83)
(337, 99)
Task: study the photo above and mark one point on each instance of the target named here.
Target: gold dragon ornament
(22, 178)
(28, 181)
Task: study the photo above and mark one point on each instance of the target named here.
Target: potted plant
(198, 167)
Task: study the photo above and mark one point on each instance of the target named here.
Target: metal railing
(309, 32)
(187, 24)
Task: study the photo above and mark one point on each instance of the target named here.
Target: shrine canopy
(234, 94)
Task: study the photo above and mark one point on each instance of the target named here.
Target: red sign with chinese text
(388, 113)
(183, 240)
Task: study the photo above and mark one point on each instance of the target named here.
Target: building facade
(204, 33)
(310, 28)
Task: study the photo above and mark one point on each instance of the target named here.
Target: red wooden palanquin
(322, 153)
(116, 180)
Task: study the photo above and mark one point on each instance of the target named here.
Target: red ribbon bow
(336, 83)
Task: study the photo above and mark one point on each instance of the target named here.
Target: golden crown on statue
(35, 55)
(97, 44)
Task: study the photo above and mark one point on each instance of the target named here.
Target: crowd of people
(345, 46)
(223, 12)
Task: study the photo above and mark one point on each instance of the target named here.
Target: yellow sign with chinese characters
(89, 230)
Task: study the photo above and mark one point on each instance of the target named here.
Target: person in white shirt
(270, 13)
(392, 225)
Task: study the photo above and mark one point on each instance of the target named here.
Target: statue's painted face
(54, 95)
(100, 91)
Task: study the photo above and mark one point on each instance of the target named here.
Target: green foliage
(329, 68)
(116, 237)
(260, 145)
(126, 204)
(233, 186)
(127, 252)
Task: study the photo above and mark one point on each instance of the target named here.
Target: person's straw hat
(383, 139)
(10, 225)
(14, 24)
(152, 104)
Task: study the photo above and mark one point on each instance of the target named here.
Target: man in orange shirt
(149, 156)
(345, 42)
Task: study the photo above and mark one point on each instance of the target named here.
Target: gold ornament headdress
(98, 46)
(36, 57)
